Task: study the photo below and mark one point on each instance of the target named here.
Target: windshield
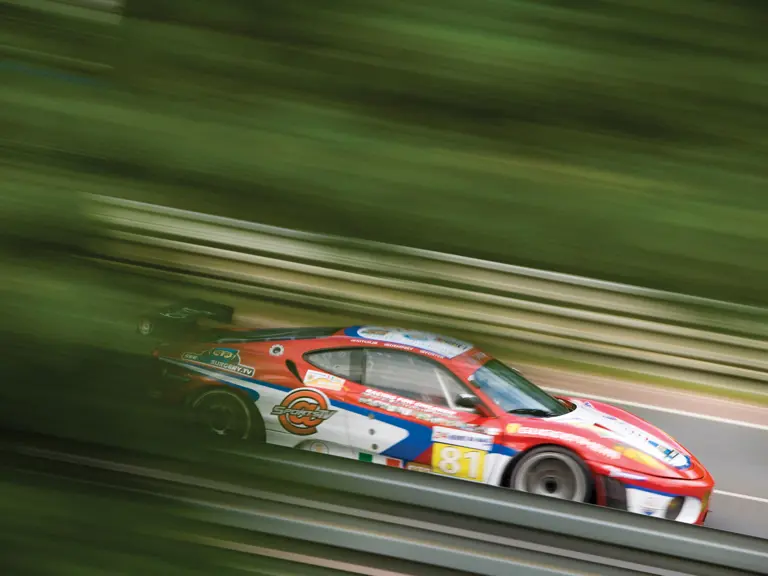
(513, 393)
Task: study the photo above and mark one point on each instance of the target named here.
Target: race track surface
(737, 457)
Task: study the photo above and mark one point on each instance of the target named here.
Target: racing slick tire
(221, 416)
(555, 472)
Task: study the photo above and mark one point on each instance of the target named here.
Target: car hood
(643, 447)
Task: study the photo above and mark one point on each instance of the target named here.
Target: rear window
(345, 363)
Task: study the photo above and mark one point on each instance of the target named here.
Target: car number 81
(458, 462)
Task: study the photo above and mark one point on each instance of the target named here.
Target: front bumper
(684, 501)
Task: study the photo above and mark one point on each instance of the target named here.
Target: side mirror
(467, 401)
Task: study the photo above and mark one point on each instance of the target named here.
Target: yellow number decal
(458, 462)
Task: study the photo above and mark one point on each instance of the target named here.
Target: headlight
(674, 508)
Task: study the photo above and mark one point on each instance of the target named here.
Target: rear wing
(183, 318)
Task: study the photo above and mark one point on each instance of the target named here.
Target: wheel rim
(551, 474)
(223, 416)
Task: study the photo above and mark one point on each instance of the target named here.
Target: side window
(411, 376)
(343, 363)
(454, 387)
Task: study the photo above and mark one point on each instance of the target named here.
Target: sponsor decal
(458, 461)
(513, 428)
(639, 456)
(319, 447)
(453, 423)
(373, 332)
(654, 504)
(653, 445)
(609, 426)
(479, 358)
(411, 408)
(398, 346)
(462, 438)
(570, 438)
(406, 402)
(430, 354)
(431, 343)
(647, 503)
(302, 411)
(418, 467)
(377, 459)
(317, 379)
(276, 350)
(602, 432)
(680, 461)
(222, 358)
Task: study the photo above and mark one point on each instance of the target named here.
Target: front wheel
(555, 472)
(221, 415)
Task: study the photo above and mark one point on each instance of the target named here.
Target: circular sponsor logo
(276, 350)
(302, 411)
(145, 327)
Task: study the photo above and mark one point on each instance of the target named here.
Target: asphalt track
(735, 454)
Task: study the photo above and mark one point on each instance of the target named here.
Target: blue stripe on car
(419, 437)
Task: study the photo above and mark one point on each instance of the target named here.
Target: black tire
(221, 416)
(554, 472)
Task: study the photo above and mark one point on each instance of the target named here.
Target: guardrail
(710, 341)
(392, 515)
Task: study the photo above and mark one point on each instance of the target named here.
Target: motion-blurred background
(623, 140)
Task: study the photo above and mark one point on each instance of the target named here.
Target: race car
(418, 401)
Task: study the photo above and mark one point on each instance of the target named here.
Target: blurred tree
(615, 138)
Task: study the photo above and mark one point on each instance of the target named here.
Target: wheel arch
(256, 418)
(195, 393)
(506, 476)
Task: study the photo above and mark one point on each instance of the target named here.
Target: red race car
(418, 401)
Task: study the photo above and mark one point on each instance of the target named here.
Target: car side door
(312, 416)
(409, 402)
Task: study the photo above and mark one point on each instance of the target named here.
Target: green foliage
(618, 139)
(74, 368)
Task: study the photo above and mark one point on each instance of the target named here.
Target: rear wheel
(555, 472)
(221, 415)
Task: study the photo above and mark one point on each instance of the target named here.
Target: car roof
(443, 346)
(438, 344)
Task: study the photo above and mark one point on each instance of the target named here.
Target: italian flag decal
(376, 459)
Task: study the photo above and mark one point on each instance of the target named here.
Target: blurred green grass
(49, 525)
